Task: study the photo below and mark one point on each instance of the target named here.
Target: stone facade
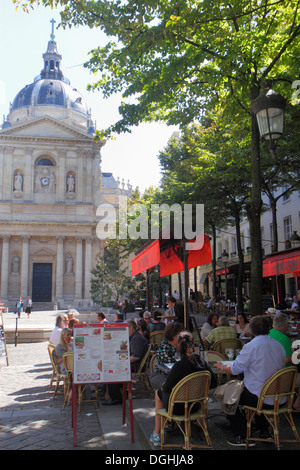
(50, 188)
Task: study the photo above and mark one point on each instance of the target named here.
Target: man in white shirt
(258, 360)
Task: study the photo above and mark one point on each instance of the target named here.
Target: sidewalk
(31, 419)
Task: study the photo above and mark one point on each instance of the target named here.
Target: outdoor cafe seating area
(194, 392)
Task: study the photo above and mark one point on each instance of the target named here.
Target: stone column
(61, 177)
(7, 171)
(59, 268)
(2, 151)
(87, 268)
(78, 269)
(4, 268)
(24, 266)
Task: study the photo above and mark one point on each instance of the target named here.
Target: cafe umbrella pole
(186, 285)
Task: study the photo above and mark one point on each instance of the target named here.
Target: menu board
(101, 353)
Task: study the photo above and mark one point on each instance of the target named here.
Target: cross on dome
(52, 35)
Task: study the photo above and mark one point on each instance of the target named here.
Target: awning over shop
(203, 278)
(282, 263)
(168, 254)
(219, 272)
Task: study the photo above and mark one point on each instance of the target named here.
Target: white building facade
(288, 225)
(50, 187)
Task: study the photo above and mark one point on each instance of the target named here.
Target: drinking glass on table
(230, 353)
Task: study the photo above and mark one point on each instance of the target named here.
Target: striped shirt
(221, 332)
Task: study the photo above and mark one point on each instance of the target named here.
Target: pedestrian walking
(19, 306)
(28, 306)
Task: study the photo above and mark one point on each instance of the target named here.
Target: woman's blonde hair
(62, 334)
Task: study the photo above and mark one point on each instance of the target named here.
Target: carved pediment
(45, 127)
(43, 252)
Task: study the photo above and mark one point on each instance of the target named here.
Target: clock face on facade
(45, 181)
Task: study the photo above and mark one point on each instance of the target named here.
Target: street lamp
(225, 258)
(269, 109)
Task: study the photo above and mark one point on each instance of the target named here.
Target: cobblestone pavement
(31, 419)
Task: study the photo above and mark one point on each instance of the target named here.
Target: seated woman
(71, 325)
(209, 325)
(242, 325)
(63, 347)
(188, 364)
(165, 353)
(101, 318)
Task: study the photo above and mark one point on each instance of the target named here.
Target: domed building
(50, 187)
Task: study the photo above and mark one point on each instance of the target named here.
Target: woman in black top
(188, 364)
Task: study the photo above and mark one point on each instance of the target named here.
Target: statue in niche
(15, 265)
(37, 182)
(69, 264)
(70, 183)
(52, 181)
(18, 182)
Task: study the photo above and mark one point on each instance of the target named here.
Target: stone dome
(51, 94)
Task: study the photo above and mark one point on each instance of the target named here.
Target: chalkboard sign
(3, 349)
(268, 301)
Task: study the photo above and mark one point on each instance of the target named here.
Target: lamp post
(269, 109)
(225, 258)
(267, 124)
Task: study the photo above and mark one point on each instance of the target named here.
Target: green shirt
(283, 339)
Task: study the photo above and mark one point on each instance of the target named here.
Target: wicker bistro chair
(153, 362)
(57, 376)
(68, 364)
(279, 386)
(142, 372)
(222, 344)
(53, 377)
(156, 337)
(191, 390)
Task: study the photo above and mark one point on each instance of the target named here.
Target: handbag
(228, 395)
(156, 380)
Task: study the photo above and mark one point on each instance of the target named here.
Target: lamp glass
(270, 123)
(225, 256)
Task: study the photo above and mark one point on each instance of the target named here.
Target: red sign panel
(282, 264)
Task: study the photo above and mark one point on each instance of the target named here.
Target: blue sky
(23, 40)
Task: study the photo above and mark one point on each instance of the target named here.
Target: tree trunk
(254, 213)
(240, 276)
(213, 264)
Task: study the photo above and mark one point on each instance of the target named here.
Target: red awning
(148, 258)
(156, 253)
(220, 272)
(282, 263)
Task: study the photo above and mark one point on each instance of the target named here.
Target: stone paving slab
(31, 419)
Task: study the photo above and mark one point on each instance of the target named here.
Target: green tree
(176, 61)
(209, 167)
(109, 279)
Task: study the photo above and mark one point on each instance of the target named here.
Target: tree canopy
(190, 61)
(176, 60)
